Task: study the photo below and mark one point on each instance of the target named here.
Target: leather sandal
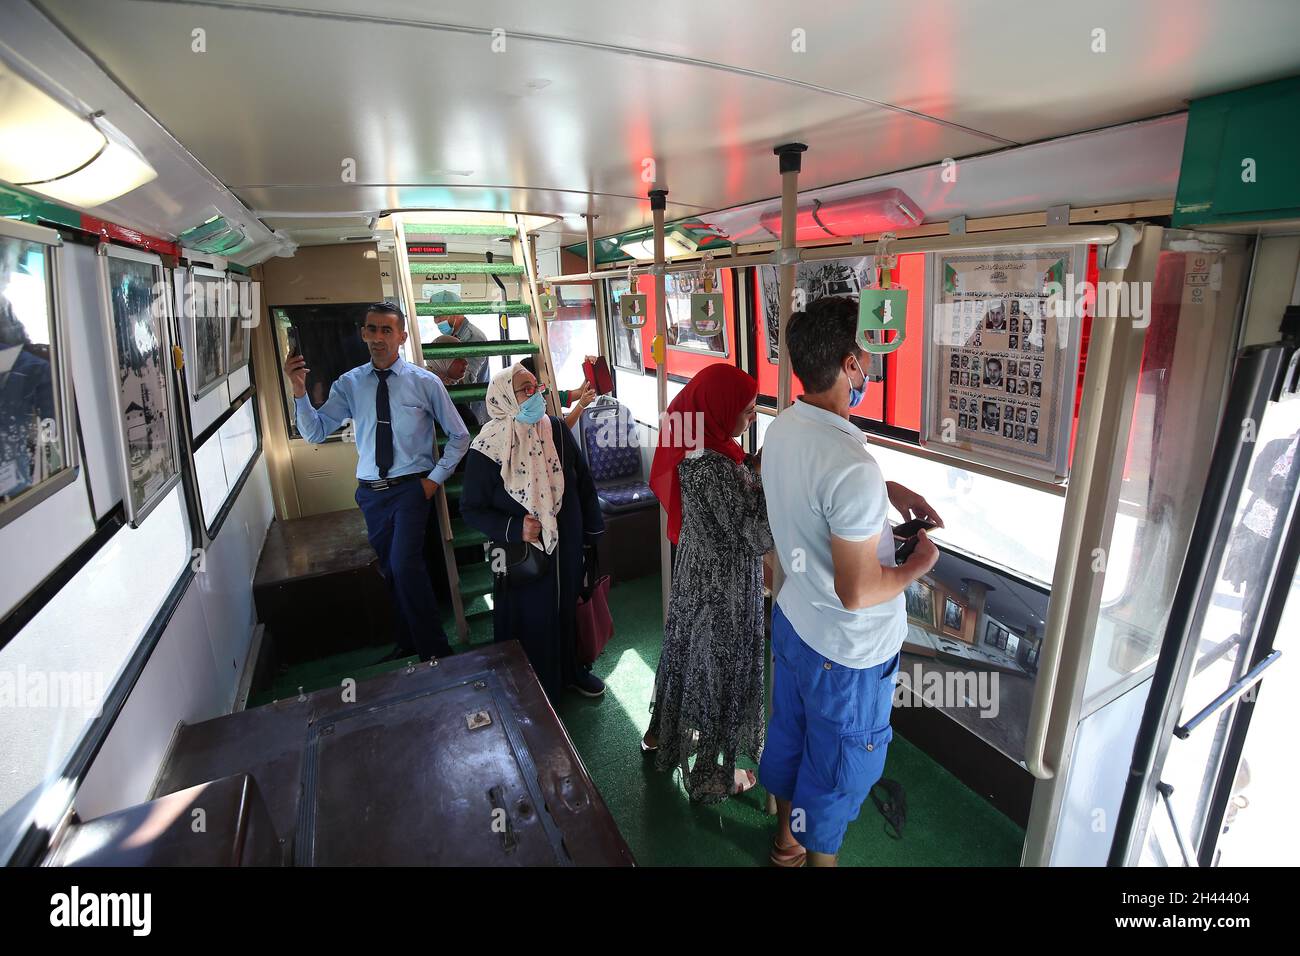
(788, 856)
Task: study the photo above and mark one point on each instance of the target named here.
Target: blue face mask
(444, 328)
(531, 411)
(856, 393)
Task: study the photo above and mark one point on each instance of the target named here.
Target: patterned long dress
(709, 687)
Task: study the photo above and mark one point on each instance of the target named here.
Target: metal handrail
(1235, 690)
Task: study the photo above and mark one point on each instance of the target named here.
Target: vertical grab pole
(791, 162)
(791, 156)
(597, 288)
(658, 201)
(522, 251)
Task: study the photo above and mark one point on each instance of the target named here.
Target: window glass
(31, 420)
(984, 516)
(220, 461)
(330, 338)
(213, 483)
(210, 337)
(1186, 360)
(572, 335)
(238, 436)
(627, 342)
(678, 287)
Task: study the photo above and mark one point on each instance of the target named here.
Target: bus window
(572, 334)
(1186, 359)
(330, 337)
(32, 423)
(627, 342)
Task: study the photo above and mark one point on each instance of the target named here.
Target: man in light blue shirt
(392, 406)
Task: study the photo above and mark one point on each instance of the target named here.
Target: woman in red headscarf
(709, 687)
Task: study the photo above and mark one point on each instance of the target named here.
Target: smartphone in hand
(905, 539)
(909, 529)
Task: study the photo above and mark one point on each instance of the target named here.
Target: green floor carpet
(947, 823)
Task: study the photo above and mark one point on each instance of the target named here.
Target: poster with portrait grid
(1001, 356)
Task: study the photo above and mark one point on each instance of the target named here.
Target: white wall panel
(226, 582)
(194, 670)
(37, 542)
(179, 683)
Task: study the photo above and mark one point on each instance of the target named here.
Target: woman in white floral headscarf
(527, 481)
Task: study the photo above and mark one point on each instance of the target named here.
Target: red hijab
(719, 393)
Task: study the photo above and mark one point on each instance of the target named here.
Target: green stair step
(462, 535)
(477, 349)
(478, 607)
(467, 268)
(472, 308)
(453, 486)
(467, 393)
(475, 579)
(451, 229)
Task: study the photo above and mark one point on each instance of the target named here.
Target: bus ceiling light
(850, 216)
(46, 147)
(675, 244)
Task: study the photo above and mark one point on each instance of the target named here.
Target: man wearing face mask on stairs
(461, 328)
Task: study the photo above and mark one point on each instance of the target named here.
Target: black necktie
(383, 425)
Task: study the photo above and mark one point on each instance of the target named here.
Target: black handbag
(519, 562)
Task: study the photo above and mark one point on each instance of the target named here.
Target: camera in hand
(905, 539)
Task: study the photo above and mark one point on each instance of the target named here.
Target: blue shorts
(827, 736)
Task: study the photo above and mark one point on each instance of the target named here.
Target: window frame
(190, 317)
(64, 397)
(673, 329)
(615, 327)
(231, 279)
(179, 419)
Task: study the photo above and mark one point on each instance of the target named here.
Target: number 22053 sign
(882, 317)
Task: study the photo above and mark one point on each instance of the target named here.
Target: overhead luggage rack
(472, 308)
(480, 349)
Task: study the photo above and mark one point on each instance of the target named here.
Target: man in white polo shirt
(839, 620)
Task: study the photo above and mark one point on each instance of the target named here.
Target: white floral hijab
(530, 464)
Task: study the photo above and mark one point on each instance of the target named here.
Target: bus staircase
(469, 572)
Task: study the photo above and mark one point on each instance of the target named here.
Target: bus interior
(191, 192)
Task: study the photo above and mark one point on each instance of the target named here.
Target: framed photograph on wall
(137, 308)
(954, 616)
(991, 633)
(36, 457)
(815, 279)
(919, 598)
(1002, 335)
(240, 303)
(206, 310)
